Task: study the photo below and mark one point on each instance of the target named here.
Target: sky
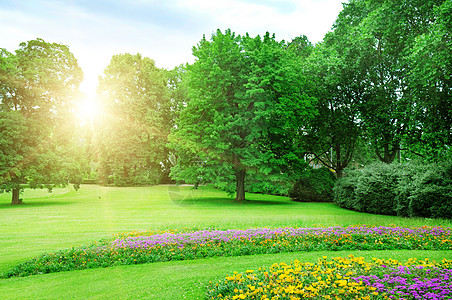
(164, 30)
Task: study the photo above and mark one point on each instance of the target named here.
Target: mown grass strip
(168, 280)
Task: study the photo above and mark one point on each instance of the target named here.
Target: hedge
(402, 189)
(315, 185)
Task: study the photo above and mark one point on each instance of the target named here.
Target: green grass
(173, 280)
(49, 222)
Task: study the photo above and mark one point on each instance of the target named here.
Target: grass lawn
(65, 218)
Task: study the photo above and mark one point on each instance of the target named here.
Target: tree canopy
(376, 39)
(244, 94)
(248, 115)
(38, 85)
(130, 137)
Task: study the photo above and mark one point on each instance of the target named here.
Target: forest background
(251, 113)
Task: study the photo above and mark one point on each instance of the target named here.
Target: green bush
(344, 190)
(407, 177)
(432, 196)
(408, 189)
(315, 185)
(376, 189)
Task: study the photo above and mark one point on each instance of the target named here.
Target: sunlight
(88, 109)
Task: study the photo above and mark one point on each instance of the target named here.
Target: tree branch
(415, 153)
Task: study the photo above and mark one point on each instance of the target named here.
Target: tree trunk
(240, 180)
(388, 155)
(339, 172)
(16, 200)
(339, 166)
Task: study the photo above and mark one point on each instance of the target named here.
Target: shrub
(344, 190)
(315, 185)
(376, 188)
(408, 175)
(432, 196)
(407, 189)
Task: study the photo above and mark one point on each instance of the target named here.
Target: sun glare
(88, 109)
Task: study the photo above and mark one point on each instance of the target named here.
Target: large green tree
(430, 82)
(130, 137)
(332, 136)
(375, 38)
(38, 86)
(246, 103)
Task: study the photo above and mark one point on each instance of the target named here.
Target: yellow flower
(341, 282)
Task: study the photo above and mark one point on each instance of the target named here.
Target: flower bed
(146, 247)
(301, 239)
(340, 278)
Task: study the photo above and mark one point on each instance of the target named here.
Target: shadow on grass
(35, 204)
(214, 201)
(267, 202)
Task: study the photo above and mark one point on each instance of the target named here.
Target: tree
(38, 85)
(177, 86)
(301, 46)
(331, 137)
(131, 136)
(378, 36)
(430, 80)
(245, 93)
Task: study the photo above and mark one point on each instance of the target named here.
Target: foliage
(407, 175)
(153, 246)
(12, 135)
(407, 189)
(38, 86)
(375, 40)
(332, 136)
(271, 184)
(315, 185)
(131, 136)
(344, 190)
(382, 74)
(432, 194)
(301, 46)
(430, 80)
(247, 112)
(376, 188)
(246, 104)
(335, 278)
(178, 90)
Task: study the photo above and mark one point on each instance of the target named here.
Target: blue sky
(164, 30)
